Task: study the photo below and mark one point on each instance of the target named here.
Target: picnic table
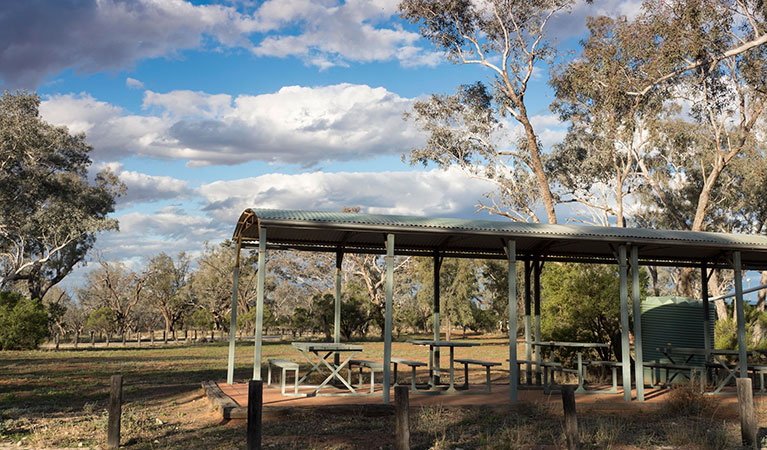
(432, 344)
(715, 354)
(580, 347)
(317, 353)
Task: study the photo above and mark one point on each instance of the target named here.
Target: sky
(206, 108)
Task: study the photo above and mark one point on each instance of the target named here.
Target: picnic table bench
(486, 364)
(364, 363)
(547, 367)
(412, 364)
(285, 365)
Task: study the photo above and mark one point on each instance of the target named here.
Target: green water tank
(674, 322)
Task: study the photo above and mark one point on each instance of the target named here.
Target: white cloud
(432, 193)
(144, 188)
(39, 37)
(573, 24)
(331, 33)
(300, 125)
(133, 83)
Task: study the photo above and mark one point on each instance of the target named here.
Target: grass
(51, 399)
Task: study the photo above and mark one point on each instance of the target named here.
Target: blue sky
(205, 108)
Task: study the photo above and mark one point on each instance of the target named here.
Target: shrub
(23, 322)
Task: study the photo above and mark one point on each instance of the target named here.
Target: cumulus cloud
(299, 125)
(133, 83)
(144, 188)
(39, 37)
(332, 33)
(573, 24)
(435, 193)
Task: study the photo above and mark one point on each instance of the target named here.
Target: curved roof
(414, 235)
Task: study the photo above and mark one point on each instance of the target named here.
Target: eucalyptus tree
(660, 108)
(114, 287)
(166, 288)
(50, 212)
(507, 37)
(211, 284)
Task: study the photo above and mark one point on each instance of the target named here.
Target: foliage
(49, 210)
(202, 320)
(166, 288)
(115, 287)
(508, 38)
(211, 285)
(23, 322)
(581, 303)
(102, 319)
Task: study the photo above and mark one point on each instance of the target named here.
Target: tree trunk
(56, 339)
(76, 338)
(762, 293)
(537, 166)
(108, 339)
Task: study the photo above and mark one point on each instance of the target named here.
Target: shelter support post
(437, 267)
(639, 359)
(742, 358)
(388, 315)
(537, 306)
(337, 315)
(624, 299)
(259, 302)
(706, 312)
(511, 249)
(528, 348)
(233, 323)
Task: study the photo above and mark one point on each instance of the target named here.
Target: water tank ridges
(674, 322)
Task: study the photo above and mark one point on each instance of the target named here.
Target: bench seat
(412, 364)
(285, 365)
(486, 364)
(373, 366)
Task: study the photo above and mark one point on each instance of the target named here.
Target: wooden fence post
(115, 409)
(571, 420)
(746, 407)
(255, 399)
(402, 418)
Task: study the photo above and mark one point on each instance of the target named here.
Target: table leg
(315, 367)
(335, 373)
(452, 371)
(431, 366)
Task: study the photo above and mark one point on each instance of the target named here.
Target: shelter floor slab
(654, 398)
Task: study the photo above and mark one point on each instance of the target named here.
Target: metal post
(337, 316)
(528, 348)
(511, 249)
(259, 302)
(706, 312)
(638, 364)
(537, 307)
(742, 361)
(624, 299)
(437, 267)
(233, 323)
(388, 316)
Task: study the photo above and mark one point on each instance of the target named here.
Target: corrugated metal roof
(317, 230)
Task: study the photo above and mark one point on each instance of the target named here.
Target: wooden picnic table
(439, 343)
(580, 347)
(321, 352)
